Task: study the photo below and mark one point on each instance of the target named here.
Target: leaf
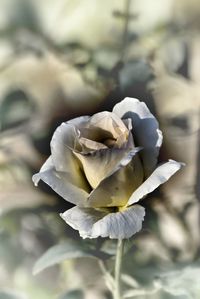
(17, 191)
(140, 292)
(60, 253)
(134, 73)
(106, 58)
(15, 109)
(130, 281)
(109, 279)
(184, 282)
(75, 294)
(173, 54)
(11, 295)
(24, 15)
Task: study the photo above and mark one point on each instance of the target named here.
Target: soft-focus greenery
(66, 58)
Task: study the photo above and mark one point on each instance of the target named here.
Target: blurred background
(64, 58)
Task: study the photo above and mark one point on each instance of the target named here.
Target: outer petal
(82, 219)
(121, 225)
(158, 177)
(117, 187)
(61, 183)
(93, 224)
(145, 130)
(79, 120)
(63, 158)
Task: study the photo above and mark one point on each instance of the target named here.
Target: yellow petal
(115, 190)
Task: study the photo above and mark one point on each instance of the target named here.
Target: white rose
(104, 164)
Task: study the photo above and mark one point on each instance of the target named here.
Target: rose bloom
(104, 164)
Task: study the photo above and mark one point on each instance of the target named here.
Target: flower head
(104, 164)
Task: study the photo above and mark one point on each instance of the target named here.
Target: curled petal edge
(60, 183)
(93, 223)
(160, 175)
(145, 129)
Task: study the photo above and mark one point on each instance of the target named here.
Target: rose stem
(125, 31)
(118, 263)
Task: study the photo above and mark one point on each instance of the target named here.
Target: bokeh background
(64, 58)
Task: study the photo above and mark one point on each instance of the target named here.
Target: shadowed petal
(158, 177)
(128, 123)
(145, 130)
(117, 187)
(89, 145)
(82, 219)
(93, 224)
(110, 122)
(62, 143)
(61, 183)
(101, 163)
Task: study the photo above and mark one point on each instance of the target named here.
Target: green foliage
(184, 283)
(135, 73)
(24, 15)
(75, 294)
(15, 109)
(60, 253)
(10, 295)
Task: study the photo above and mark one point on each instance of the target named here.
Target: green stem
(118, 263)
(125, 31)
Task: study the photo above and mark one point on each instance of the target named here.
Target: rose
(104, 164)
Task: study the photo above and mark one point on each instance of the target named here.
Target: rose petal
(90, 145)
(93, 133)
(116, 189)
(99, 164)
(128, 123)
(92, 223)
(48, 164)
(158, 177)
(62, 143)
(110, 122)
(121, 225)
(78, 121)
(82, 219)
(61, 183)
(145, 130)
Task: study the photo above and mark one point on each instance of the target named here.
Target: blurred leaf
(109, 247)
(24, 14)
(130, 281)
(10, 295)
(9, 243)
(134, 293)
(15, 109)
(172, 53)
(17, 190)
(185, 282)
(60, 253)
(134, 72)
(75, 294)
(106, 58)
(139, 292)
